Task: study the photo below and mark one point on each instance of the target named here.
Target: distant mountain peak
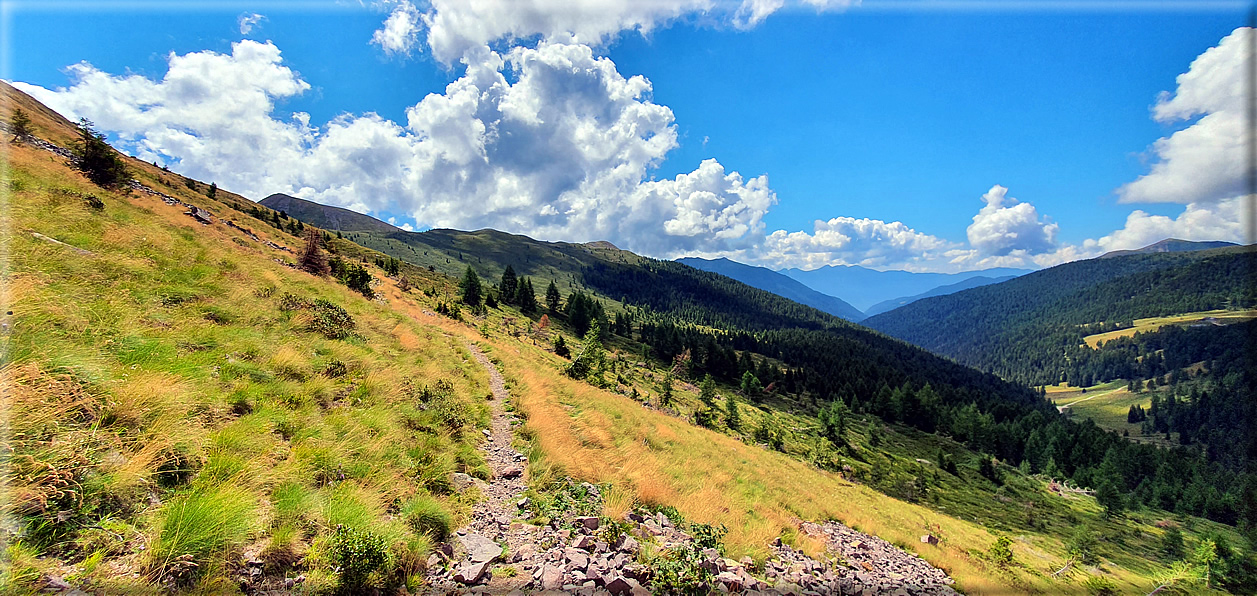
(326, 216)
(1170, 245)
(602, 244)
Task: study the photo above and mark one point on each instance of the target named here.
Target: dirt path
(492, 537)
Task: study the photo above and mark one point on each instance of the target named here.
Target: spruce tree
(470, 288)
(665, 390)
(553, 298)
(96, 159)
(732, 418)
(707, 392)
(21, 124)
(508, 285)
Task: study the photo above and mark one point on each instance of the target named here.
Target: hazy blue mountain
(781, 285)
(972, 282)
(863, 287)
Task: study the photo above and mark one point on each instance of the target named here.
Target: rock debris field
(580, 553)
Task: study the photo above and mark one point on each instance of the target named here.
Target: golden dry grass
(1156, 323)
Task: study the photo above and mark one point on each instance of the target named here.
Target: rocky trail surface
(579, 552)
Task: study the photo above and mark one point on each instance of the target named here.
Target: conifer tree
(96, 159)
(732, 418)
(553, 298)
(21, 124)
(470, 288)
(508, 285)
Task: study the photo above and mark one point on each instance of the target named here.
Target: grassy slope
(161, 404)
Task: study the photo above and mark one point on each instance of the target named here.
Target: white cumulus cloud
(400, 33)
(1005, 225)
(456, 27)
(852, 241)
(1206, 161)
(248, 21)
(1218, 220)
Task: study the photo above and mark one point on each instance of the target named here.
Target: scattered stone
(471, 573)
(929, 539)
(461, 481)
(480, 549)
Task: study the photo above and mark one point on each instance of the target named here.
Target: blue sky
(892, 127)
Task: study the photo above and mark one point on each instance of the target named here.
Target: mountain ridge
(326, 216)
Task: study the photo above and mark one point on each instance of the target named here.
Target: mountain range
(777, 283)
(863, 287)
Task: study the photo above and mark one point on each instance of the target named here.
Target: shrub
(1001, 552)
(359, 553)
(680, 571)
(291, 302)
(335, 369)
(331, 320)
(1081, 546)
(708, 536)
(426, 516)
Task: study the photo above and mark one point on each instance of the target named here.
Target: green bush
(331, 320)
(359, 553)
(708, 536)
(425, 515)
(680, 572)
(1001, 552)
(290, 302)
(1081, 546)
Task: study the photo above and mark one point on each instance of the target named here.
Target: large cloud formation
(1208, 160)
(452, 28)
(562, 152)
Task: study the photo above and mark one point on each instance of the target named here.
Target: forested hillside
(1030, 329)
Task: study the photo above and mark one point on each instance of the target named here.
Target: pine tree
(508, 285)
(96, 159)
(213, 190)
(732, 418)
(707, 392)
(470, 289)
(665, 390)
(833, 421)
(553, 298)
(21, 124)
